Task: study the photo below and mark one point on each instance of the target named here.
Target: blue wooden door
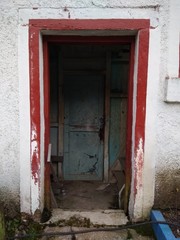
(83, 127)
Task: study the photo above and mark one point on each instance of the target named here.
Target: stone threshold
(96, 217)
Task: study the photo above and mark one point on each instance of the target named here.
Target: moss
(18, 227)
(145, 230)
(129, 235)
(2, 226)
(78, 222)
(11, 226)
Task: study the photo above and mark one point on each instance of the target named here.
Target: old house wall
(168, 121)
(9, 107)
(161, 153)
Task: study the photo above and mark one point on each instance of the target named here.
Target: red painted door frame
(36, 28)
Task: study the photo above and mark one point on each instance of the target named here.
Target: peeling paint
(91, 156)
(35, 157)
(93, 169)
(31, 36)
(35, 166)
(138, 180)
(139, 161)
(139, 25)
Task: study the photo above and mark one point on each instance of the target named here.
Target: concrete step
(95, 217)
(66, 221)
(129, 234)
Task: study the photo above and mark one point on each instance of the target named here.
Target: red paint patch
(35, 166)
(91, 24)
(141, 104)
(34, 102)
(139, 162)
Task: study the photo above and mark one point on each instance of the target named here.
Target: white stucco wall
(9, 108)
(162, 152)
(168, 112)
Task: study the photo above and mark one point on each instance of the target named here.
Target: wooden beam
(107, 114)
(60, 113)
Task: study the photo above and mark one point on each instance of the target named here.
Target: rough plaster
(9, 107)
(172, 90)
(84, 4)
(167, 120)
(151, 120)
(162, 150)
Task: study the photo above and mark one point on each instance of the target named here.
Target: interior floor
(87, 195)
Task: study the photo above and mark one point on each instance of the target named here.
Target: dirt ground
(173, 216)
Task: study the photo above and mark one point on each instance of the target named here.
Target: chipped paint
(138, 161)
(139, 25)
(94, 168)
(136, 200)
(35, 167)
(90, 156)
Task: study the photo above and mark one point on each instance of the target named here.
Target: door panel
(83, 112)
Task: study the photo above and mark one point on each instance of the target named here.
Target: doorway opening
(88, 123)
(35, 158)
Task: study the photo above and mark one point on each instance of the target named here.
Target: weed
(145, 230)
(17, 227)
(129, 235)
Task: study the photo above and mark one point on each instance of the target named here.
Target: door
(83, 126)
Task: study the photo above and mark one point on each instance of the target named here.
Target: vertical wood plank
(123, 129)
(128, 164)
(107, 114)
(60, 113)
(47, 200)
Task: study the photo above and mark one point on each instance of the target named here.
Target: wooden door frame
(136, 114)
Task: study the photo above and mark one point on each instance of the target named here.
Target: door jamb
(36, 28)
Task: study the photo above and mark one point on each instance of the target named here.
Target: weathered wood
(53, 200)
(107, 113)
(49, 153)
(60, 115)
(123, 129)
(56, 159)
(2, 225)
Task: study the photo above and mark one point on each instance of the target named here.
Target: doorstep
(130, 234)
(96, 217)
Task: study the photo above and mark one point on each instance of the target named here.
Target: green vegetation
(18, 227)
(129, 235)
(145, 230)
(78, 222)
(2, 226)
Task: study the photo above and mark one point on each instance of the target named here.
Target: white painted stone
(151, 123)
(9, 109)
(96, 217)
(24, 118)
(174, 39)
(94, 235)
(172, 90)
